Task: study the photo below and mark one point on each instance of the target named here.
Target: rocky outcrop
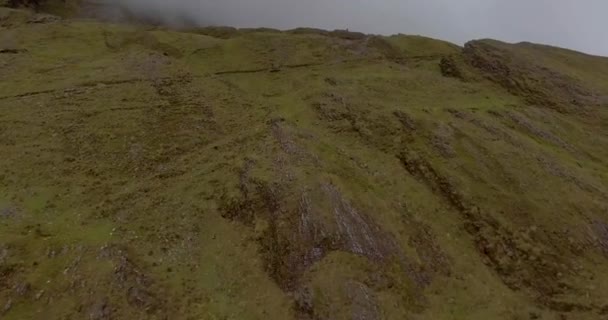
(530, 79)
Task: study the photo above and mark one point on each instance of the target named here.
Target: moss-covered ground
(218, 173)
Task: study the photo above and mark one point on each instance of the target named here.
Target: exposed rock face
(449, 68)
(528, 78)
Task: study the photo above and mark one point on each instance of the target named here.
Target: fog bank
(579, 25)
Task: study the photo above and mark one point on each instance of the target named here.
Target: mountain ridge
(304, 174)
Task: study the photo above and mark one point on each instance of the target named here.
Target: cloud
(577, 24)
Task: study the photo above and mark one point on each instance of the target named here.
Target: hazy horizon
(575, 25)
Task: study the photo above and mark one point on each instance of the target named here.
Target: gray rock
(44, 18)
(101, 310)
(7, 307)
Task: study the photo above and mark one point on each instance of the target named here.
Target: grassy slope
(152, 174)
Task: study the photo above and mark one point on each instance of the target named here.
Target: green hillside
(219, 173)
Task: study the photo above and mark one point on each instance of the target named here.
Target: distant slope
(255, 174)
(543, 75)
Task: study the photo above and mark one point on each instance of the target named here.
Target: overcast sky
(576, 24)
